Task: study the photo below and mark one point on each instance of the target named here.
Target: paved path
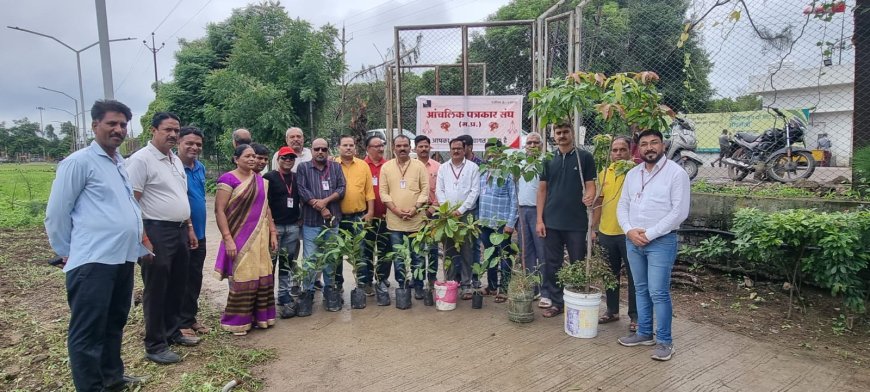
(421, 349)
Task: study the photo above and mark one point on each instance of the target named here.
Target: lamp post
(78, 60)
(41, 126)
(76, 136)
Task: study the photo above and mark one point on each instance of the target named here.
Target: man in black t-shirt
(562, 218)
(284, 204)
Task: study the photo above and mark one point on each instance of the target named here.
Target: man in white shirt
(653, 204)
(532, 244)
(459, 185)
(160, 185)
(296, 140)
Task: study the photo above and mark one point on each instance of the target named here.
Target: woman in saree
(247, 235)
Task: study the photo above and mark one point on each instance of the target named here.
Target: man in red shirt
(378, 234)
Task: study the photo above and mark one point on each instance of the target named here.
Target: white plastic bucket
(445, 295)
(581, 314)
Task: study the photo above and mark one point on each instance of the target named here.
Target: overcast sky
(30, 61)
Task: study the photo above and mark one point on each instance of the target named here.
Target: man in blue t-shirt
(189, 148)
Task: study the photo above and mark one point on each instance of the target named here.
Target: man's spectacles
(287, 158)
(319, 149)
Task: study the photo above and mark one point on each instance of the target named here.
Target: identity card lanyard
(289, 185)
(643, 183)
(402, 183)
(324, 178)
(455, 174)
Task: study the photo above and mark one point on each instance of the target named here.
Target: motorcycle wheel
(691, 168)
(784, 169)
(735, 173)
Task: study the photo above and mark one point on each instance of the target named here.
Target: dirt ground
(720, 346)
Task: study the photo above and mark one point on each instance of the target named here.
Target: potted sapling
(334, 249)
(402, 252)
(444, 225)
(422, 242)
(583, 284)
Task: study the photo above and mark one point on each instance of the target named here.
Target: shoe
(545, 303)
(184, 340)
(288, 310)
(164, 357)
(369, 290)
(663, 352)
(418, 292)
(295, 291)
(127, 383)
(200, 328)
(318, 285)
(636, 340)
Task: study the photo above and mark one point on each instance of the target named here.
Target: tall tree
(259, 69)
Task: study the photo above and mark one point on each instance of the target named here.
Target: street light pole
(76, 135)
(78, 63)
(41, 125)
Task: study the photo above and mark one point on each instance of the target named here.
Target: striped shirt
(497, 204)
(309, 180)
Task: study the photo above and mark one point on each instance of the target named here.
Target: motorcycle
(771, 154)
(681, 146)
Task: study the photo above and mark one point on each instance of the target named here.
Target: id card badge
(324, 185)
(374, 181)
(289, 202)
(403, 184)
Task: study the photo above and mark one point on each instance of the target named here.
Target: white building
(830, 90)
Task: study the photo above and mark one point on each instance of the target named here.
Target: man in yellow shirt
(358, 204)
(610, 234)
(404, 188)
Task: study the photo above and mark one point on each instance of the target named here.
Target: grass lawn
(24, 190)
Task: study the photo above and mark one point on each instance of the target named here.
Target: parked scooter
(682, 145)
(771, 154)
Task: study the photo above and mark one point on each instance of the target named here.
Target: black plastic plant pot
(304, 304)
(357, 298)
(383, 294)
(403, 298)
(428, 297)
(331, 299)
(477, 300)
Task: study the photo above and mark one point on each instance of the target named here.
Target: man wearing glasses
(284, 205)
(378, 234)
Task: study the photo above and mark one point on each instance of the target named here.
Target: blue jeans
(502, 251)
(651, 270)
(397, 238)
(288, 247)
(309, 249)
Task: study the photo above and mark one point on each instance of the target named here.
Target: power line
(377, 15)
(191, 18)
(167, 16)
(387, 22)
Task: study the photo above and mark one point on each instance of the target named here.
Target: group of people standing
(105, 213)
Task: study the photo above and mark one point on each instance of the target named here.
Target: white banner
(444, 117)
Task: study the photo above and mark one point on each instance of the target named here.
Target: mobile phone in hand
(57, 262)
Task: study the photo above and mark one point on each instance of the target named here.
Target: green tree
(259, 69)
(742, 103)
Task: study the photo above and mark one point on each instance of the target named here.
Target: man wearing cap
(284, 204)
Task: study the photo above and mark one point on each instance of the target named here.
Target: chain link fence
(732, 66)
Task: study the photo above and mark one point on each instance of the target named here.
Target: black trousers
(555, 244)
(99, 297)
(347, 223)
(165, 278)
(190, 303)
(615, 251)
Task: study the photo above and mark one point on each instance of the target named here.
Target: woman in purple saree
(248, 233)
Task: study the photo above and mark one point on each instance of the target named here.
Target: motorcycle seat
(748, 137)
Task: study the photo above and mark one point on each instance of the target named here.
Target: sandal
(608, 318)
(553, 311)
(199, 328)
(500, 298)
(466, 296)
(632, 327)
(488, 292)
(545, 303)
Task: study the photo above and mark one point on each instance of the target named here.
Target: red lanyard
(288, 184)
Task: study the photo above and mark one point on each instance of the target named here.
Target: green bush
(832, 249)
